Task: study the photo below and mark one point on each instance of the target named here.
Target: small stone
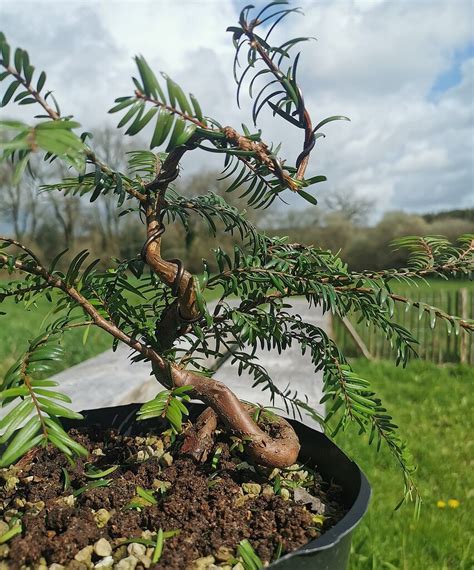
(10, 514)
(11, 482)
(3, 527)
(4, 550)
(103, 548)
(241, 500)
(76, 565)
(148, 534)
(274, 473)
(136, 549)
(202, 563)
(69, 500)
(315, 504)
(56, 566)
(238, 566)
(223, 554)
(128, 563)
(35, 508)
(285, 494)
(167, 459)
(98, 452)
(142, 455)
(302, 475)
(85, 555)
(19, 503)
(252, 488)
(102, 517)
(157, 445)
(161, 486)
(106, 562)
(119, 553)
(268, 491)
(139, 551)
(4, 566)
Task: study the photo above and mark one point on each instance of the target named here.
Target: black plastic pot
(328, 552)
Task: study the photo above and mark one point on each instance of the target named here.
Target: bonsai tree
(263, 272)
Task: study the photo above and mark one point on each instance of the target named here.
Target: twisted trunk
(279, 450)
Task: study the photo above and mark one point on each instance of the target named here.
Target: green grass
(433, 405)
(19, 325)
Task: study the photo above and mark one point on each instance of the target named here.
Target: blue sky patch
(452, 76)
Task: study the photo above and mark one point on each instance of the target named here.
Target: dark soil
(212, 505)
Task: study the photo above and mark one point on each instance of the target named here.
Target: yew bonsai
(262, 272)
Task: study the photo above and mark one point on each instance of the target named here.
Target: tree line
(49, 221)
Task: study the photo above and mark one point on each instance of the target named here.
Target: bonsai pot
(328, 552)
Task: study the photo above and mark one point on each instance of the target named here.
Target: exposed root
(199, 438)
(278, 450)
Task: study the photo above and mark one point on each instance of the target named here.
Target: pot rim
(353, 516)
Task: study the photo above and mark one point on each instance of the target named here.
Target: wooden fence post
(356, 337)
(463, 348)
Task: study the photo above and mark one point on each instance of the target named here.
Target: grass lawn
(435, 285)
(434, 407)
(18, 325)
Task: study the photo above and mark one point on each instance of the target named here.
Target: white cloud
(375, 61)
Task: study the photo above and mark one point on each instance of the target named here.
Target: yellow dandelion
(453, 503)
(440, 504)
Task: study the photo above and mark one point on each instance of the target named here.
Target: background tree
(355, 209)
(19, 202)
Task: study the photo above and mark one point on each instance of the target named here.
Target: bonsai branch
(97, 319)
(260, 151)
(28, 86)
(170, 272)
(305, 119)
(55, 116)
(280, 450)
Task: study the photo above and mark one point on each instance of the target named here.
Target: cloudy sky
(402, 70)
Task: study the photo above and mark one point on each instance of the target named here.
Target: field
(18, 325)
(433, 404)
